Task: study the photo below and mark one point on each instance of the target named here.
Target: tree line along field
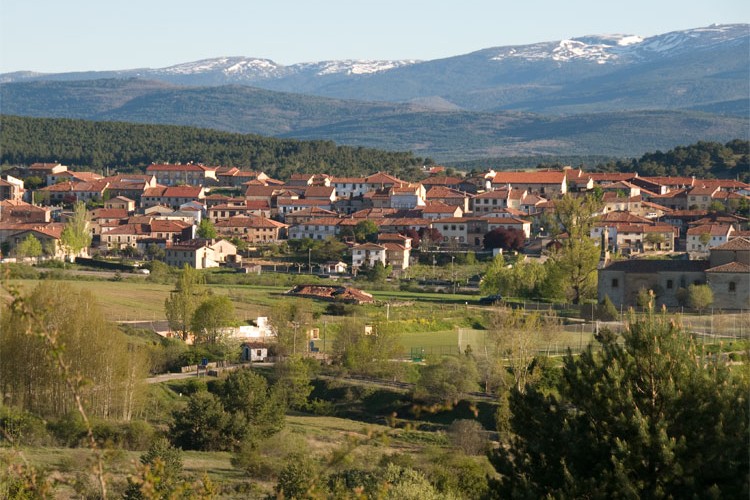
(429, 321)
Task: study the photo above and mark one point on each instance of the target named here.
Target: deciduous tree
(184, 300)
(699, 296)
(211, 317)
(29, 247)
(206, 229)
(75, 235)
(505, 238)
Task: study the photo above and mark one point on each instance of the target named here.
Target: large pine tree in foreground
(650, 418)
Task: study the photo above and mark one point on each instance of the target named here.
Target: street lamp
(309, 261)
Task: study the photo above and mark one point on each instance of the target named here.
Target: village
(666, 232)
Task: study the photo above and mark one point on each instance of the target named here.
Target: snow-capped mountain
(697, 67)
(603, 49)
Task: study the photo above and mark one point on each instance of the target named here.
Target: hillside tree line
(128, 147)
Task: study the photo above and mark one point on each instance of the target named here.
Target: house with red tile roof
(630, 238)
(507, 221)
(46, 171)
(307, 214)
(319, 228)
(70, 192)
(288, 204)
(172, 196)
(397, 250)
(17, 211)
(449, 196)
(368, 254)
(200, 253)
(349, 187)
(734, 250)
(234, 177)
(121, 202)
(327, 193)
(502, 197)
(440, 210)
(130, 185)
(605, 178)
(257, 208)
(730, 284)
(11, 188)
(700, 197)
(252, 229)
(12, 234)
(127, 235)
(545, 183)
(407, 196)
(463, 231)
(178, 174)
(106, 218)
(700, 239)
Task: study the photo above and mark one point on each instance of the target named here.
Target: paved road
(166, 377)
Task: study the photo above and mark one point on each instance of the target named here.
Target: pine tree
(650, 418)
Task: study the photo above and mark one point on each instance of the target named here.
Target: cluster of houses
(162, 207)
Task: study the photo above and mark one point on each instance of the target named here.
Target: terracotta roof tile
(732, 267)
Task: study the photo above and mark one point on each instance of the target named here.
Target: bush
(459, 476)
(297, 478)
(69, 430)
(468, 436)
(340, 309)
(22, 428)
(21, 272)
(606, 311)
(138, 435)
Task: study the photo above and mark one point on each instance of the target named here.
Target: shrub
(297, 478)
(468, 436)
(69, 430)
(138, 435)
(22, 428)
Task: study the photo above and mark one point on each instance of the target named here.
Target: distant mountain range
(635, 94)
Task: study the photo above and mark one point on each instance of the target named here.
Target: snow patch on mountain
(226, 65)
(595, 49)
(603, 49)
(361, 67)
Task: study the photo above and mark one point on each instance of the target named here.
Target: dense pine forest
(702, 159)
(131, 147)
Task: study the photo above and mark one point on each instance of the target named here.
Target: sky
(79, 35)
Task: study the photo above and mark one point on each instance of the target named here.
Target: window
(732, 286)
(615, 283)
(670, 284)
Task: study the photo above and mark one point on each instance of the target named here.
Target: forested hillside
(131, 147)
(702, 159)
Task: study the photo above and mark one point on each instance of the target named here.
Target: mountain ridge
(521, 73)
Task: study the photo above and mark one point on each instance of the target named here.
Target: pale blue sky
(75, 35)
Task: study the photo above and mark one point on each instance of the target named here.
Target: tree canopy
(75, 235)
(132, 147)
(182, 302)
(649, 418)
(505, 238)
